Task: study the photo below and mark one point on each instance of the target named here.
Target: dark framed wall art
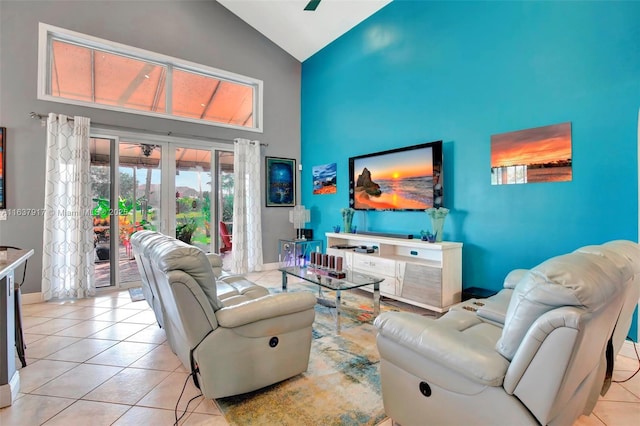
(280, 182)
(3, 179)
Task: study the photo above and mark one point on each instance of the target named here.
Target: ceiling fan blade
(312, 5)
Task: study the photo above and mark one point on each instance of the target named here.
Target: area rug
(342, 383)
(136, 294)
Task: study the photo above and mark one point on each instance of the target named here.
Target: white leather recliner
(231, 333)
(539, 361)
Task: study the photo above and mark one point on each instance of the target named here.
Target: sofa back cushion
(178, 256)
(582, 278)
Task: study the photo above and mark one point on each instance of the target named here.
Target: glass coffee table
(323, 279)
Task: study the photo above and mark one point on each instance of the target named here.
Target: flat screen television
(402, 179)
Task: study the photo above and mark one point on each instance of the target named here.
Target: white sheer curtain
(67, 261)
(247, 222)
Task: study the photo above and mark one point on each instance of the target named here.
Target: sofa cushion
(176, 255)
(579, 279)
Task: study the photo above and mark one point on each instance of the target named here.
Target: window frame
(47, 32)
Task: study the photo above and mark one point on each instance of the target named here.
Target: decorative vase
(347, 218)
(437, 224)
(437, 216)
(347, 224)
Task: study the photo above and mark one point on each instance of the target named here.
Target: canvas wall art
(280, 182)
(540, 154)
(324, 179)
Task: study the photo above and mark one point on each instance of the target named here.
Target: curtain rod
(35, 115)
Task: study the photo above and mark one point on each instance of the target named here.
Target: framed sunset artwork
(540, 154)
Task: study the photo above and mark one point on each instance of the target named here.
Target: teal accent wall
(419, 71)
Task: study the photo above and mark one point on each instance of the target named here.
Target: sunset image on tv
(541, 154)
(398, 180)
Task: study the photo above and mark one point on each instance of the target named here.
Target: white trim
(31, 298)
(627, 350)
(86, 40)
(9, 391)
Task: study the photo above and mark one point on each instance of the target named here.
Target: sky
(397, 165)
(530, 146)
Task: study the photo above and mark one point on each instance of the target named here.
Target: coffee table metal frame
(322, 278)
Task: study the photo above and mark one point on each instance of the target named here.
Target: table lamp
(299, 216)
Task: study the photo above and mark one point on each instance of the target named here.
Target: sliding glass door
(179, 188)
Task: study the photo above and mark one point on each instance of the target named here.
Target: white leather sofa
(533, 354)
(231, 333)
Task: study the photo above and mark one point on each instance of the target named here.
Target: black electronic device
(364, 249)
(386, 234)
(403, 179)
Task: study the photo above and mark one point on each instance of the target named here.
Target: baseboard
(31, 298)
(9, 391)
(270, 266)
(628, 350)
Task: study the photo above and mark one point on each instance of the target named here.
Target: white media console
(423, 274)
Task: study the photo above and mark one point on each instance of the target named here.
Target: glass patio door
(181, 189)
(203, 186)
(139, 200)
(126, 190)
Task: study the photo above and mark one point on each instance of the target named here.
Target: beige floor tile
(591, 420)
(28, 322)
(128, 386)
(633, 384)
(115, 302)
(78, 382)
(614, 413)
(122, 354)
(167, 392)
(89, 413)
(624, 363)
(82, 350)
(85, 328)
(618, 393)
(138, 416)
(208, 406)
(140, 305)
(115, 315)
(199, 419)
(31, 338)
(32, 410)
(52, 325)
(96, 300)
(48, 345)
(42, 371)
(143, 317)
(160, 358)
(118, 331)
(84, 313)
(150, 334)
(54, 310)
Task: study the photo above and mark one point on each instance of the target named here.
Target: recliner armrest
(270, 306)
(444, 345)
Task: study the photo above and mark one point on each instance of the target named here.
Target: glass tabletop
(322, 277)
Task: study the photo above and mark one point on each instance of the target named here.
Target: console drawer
(374, 265)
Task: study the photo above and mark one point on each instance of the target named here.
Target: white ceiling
(299, 32)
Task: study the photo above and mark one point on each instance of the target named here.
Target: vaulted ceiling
(302, 32)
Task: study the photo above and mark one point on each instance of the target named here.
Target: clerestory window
(83, 70)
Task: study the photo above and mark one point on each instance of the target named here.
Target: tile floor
(104, 361)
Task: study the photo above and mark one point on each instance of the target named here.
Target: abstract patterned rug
(342, 383)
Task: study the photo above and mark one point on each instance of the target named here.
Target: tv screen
(408, 178)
